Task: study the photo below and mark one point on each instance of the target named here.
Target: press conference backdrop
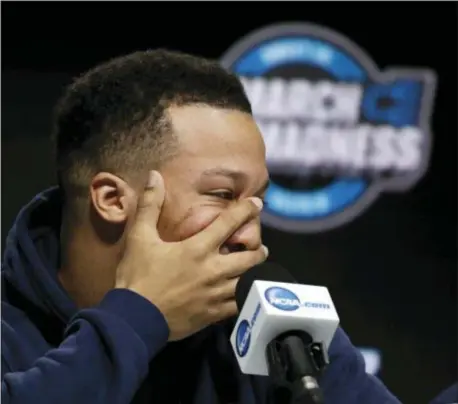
(370, 223)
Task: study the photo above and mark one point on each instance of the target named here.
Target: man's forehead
(224, 172)
(195, 124)
(220, 143)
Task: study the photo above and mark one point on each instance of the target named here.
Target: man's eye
(223, 195)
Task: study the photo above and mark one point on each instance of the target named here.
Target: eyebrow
(234, 175)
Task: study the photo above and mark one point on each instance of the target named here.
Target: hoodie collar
(31, 259)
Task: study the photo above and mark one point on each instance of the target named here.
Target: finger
(149, 207)
(236, 264)
(225, 290)
(227, 310)
(227, 223)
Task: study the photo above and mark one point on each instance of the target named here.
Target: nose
(247, 237)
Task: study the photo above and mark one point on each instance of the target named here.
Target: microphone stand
(294, 363)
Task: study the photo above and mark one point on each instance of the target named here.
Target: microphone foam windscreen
(266, 271)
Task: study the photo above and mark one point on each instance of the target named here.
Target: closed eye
(227, 195)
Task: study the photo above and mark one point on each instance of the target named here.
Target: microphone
(284, 331)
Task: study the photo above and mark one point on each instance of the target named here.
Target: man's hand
(190, 282)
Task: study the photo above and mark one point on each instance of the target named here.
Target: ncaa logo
(243, 338)
(338, 132)
(282, 299)
(243, 335)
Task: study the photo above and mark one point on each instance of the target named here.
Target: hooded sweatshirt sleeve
(345, 381)
(449, 396)
(103, 358)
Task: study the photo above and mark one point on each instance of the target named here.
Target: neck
(88, 266)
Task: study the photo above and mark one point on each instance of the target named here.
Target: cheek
(194, 221)
(197, 220)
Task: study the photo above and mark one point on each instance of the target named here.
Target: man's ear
(112, 198)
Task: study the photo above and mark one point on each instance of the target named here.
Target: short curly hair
(114, 117)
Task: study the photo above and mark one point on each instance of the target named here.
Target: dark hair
(113, 118)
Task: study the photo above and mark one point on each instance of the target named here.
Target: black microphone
(283, 331)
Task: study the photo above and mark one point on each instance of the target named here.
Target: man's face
(221, 160)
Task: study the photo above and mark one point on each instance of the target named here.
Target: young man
(117, 282)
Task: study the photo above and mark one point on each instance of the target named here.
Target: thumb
(149, 205)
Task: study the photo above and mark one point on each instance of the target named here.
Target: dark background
(392, 271)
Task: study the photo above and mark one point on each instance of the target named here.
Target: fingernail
(151, 180)
(257, 202)
(266, 250)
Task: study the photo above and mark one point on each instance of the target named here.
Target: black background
(392, 271)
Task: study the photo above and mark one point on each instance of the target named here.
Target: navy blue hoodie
(117, 352)
(449, 396)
